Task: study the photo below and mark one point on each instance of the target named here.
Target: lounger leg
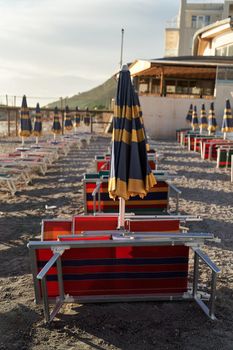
(209, 311)
(45, 300)
(195, 275)
(213, 295)
(56, 258)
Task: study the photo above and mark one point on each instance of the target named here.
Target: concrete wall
(171, 42)
(163, 115)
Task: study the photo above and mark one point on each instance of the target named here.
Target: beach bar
(168, 86)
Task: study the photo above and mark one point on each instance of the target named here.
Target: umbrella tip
(24, 101)
(125, 68)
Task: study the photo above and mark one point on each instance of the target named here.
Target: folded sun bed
(116, 266)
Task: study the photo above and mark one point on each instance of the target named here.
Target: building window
(155, 86)
(200, 21)
(224, 50)
(170, 86)
(194, 21)
(182, 87)
(190, 87)
(144, 85)
(230, 50)
(225, 74)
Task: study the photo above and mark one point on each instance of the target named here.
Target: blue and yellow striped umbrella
(203, 119)
(130, 174)
(189, 115)
(87, 117)
(77, 118)
(68, 122)
(56, 127)
(195, 123)
(38, 122)
(212, 122)
(227, 123)
(25, 120)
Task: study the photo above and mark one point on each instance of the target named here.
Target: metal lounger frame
(96, 196)
(192, 240)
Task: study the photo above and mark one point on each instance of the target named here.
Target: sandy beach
(206, 191)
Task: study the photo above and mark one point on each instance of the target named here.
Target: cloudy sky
(52, 48)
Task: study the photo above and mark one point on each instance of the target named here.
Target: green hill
(99, 97)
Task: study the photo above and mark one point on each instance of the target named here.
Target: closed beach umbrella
(56, 127)
(25, 120)
(77, 118)
(68, 122)
(87, 117)
(203, 119)
(38, 123)
(212, 122)
(130, 174)
(195, 122)
(227, 123)
(189, 115)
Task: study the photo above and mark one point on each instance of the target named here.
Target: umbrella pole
(121, 217)
(36, 140)
(22, 141)
(224, 136)
(54, 137)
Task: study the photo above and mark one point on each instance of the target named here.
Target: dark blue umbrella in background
(195, 123)
(38, 123)
(203, 119)
(212, 122)
(56, 127)
(77, 118)
(130, 173)
(190, 114)
(25, 120)
(227, 123)
(87, 117)
(68, 122)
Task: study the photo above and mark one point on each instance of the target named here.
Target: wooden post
(91, 122)
(150, 86)
(62, 116)
(9, 122)
(16, 122)
(161, 82)
(62, 122)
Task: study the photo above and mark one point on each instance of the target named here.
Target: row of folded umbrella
(210, 123)
(26, 128)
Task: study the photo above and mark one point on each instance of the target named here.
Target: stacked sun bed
(210, 147)
(18, 168)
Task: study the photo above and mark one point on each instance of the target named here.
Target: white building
(192, 16)
(215, 39)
